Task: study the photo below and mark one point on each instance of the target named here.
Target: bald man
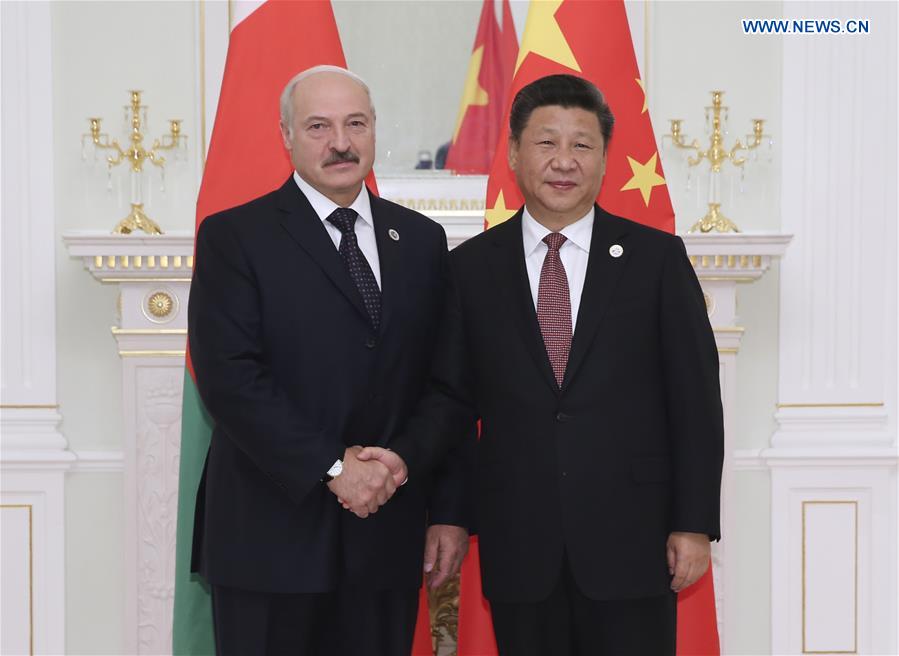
(312, 322)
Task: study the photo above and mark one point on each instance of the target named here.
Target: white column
(833, 457)
(34, 452)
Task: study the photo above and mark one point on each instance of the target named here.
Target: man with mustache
(581, 341)
(312, 321)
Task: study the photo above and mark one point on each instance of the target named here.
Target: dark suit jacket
(290, 370)
(603, 469)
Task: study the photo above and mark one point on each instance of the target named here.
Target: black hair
(563, 90)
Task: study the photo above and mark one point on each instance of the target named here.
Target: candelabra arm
(732, 156)
(155, 158)
(700, 155)
(117, 153)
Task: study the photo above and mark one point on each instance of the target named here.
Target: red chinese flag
(480, 120)
(592, 40)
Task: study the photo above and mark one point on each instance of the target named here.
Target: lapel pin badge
(394, 235)
(615, 250)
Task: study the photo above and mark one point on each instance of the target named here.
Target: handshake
(369, 478)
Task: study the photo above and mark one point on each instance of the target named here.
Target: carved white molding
(833, 458)
(31, 434)
(157, 415)
(98, 461)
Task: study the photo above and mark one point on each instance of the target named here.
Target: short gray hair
(287, 93)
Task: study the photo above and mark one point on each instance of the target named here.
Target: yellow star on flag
(543, 36)
(644, 178)
(643, 89)
(474, 95)
(499, 212)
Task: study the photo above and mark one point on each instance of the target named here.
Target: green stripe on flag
(192, 622)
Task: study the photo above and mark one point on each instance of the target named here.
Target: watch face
(336, 469)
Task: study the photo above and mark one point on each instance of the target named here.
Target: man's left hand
(445, 548)
(688, 558)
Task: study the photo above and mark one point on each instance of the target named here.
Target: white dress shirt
(364, 227)
(574, 253)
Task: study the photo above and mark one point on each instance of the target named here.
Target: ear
(513, 152)
(285, 135)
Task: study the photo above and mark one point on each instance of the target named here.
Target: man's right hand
(362, 487)
(389, 459)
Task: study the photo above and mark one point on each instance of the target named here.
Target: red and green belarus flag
(270, 42)
(591, 40)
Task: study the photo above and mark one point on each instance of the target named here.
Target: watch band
(335, 471)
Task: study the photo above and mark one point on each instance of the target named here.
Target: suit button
(562, 417)
(371, 342)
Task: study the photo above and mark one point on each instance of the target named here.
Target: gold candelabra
(134, 154)
(716, 154)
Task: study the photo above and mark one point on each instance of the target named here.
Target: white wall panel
(836, 310)
(834, 453)
(28, 348)
(15, 594)
(830, 576)
(34, 453)
(32, 513)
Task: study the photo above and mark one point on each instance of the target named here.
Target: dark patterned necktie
(554, 306)
(344, 219)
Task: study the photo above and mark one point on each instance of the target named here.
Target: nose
(340, 139)
(563, 161)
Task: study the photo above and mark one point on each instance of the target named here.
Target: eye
(315, 126)
(583, 146)
(358, 123)
(545, 142)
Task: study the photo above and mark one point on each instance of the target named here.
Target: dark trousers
(569, 624)
(350, 622)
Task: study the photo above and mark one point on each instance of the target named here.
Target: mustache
(338, 157)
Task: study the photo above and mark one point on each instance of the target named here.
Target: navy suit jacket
(289, 368)
(603, 468)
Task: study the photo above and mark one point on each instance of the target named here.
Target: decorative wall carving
(158, 445)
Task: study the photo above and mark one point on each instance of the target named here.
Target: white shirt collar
(579, 233)
(324, 206)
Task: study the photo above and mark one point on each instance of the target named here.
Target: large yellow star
(643, 89)
(474, 95)
(499, 212)
(543, 36)
(645, 177)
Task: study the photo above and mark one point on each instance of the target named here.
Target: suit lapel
(390, 256)
(511, 276)
(303, 225)
(603, 273)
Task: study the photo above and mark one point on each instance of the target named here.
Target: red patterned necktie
(554, 306)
